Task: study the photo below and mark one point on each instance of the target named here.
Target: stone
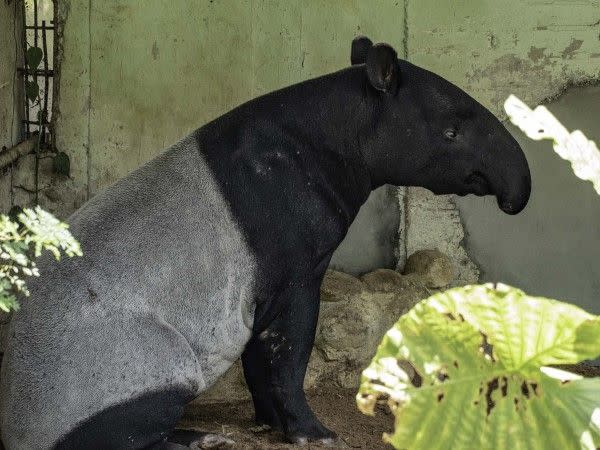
(386, 280)
(349, 332)
(435, 268)
(212, 441)
(339, 286)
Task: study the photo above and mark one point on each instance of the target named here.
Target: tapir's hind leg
(143, 422)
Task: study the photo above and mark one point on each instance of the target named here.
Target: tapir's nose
(514, 195)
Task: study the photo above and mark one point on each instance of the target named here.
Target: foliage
(575, 147)
(23, 240)
(467, 368)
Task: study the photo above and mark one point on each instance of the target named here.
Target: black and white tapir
(217, 248)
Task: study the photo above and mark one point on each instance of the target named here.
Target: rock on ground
(433, 267)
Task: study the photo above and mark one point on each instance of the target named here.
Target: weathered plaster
(492, 49)
(10, 89)
(137, 76)
(552, 247)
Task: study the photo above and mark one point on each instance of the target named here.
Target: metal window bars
(36, 72)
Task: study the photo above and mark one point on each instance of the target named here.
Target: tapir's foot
(313, 433)
(267, 421)
(298, 422)
(197, 440)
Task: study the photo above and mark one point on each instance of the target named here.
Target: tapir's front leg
(256, 372)
(275, 364)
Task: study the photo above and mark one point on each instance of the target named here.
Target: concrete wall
(491, 49)
(372, 240)
(10, 90)
(137, 76)
(553, 247)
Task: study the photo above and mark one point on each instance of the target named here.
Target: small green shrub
(23, 240)
(468, 369)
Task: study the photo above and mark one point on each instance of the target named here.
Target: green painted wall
(10, 98)
(152, 71)
(552, 248)
(493, 48)
(137, 76)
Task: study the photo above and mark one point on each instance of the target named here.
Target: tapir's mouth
(478, 184)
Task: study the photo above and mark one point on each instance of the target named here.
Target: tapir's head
(428, 132)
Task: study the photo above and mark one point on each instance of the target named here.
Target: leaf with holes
(34, 57)
(467, 368)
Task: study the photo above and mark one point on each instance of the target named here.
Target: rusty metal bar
(35, 23)
(37, 72)
(24, 39)
(44, 115)
(33, 27)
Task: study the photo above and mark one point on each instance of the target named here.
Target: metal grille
(38, 33)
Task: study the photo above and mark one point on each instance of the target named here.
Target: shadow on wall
(372, 238)
(552, 248)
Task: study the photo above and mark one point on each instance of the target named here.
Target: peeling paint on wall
(136, 77)
(492, 49)
(11, 97)
(551, 248)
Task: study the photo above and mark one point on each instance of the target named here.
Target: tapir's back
(163, 295)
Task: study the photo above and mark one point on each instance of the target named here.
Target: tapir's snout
(514, 203)
(515, 186)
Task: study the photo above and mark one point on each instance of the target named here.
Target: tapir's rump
(161, 300)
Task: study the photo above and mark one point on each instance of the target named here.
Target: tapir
(217, 248)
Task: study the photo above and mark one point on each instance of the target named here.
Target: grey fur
(163, 229)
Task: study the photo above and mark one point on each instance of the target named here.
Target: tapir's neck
(323, 116)
(328, 110)
(337, 113)
(328, 113)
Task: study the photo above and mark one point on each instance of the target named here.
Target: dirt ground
(336, 408)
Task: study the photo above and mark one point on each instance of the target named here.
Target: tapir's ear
(360, 49)
(382, 68)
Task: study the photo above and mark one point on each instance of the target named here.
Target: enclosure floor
(336, 408)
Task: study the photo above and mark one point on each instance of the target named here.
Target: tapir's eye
(450, 134)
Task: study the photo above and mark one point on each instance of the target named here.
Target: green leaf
(8, 302)
(62, 164)
(32, 90)
(34, 56)
(467, 369)
(21, 240)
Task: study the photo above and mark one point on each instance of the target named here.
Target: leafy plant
(33, 57)
(23, 240)
(468, 368)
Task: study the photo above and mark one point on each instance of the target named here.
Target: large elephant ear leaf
(468, 368)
